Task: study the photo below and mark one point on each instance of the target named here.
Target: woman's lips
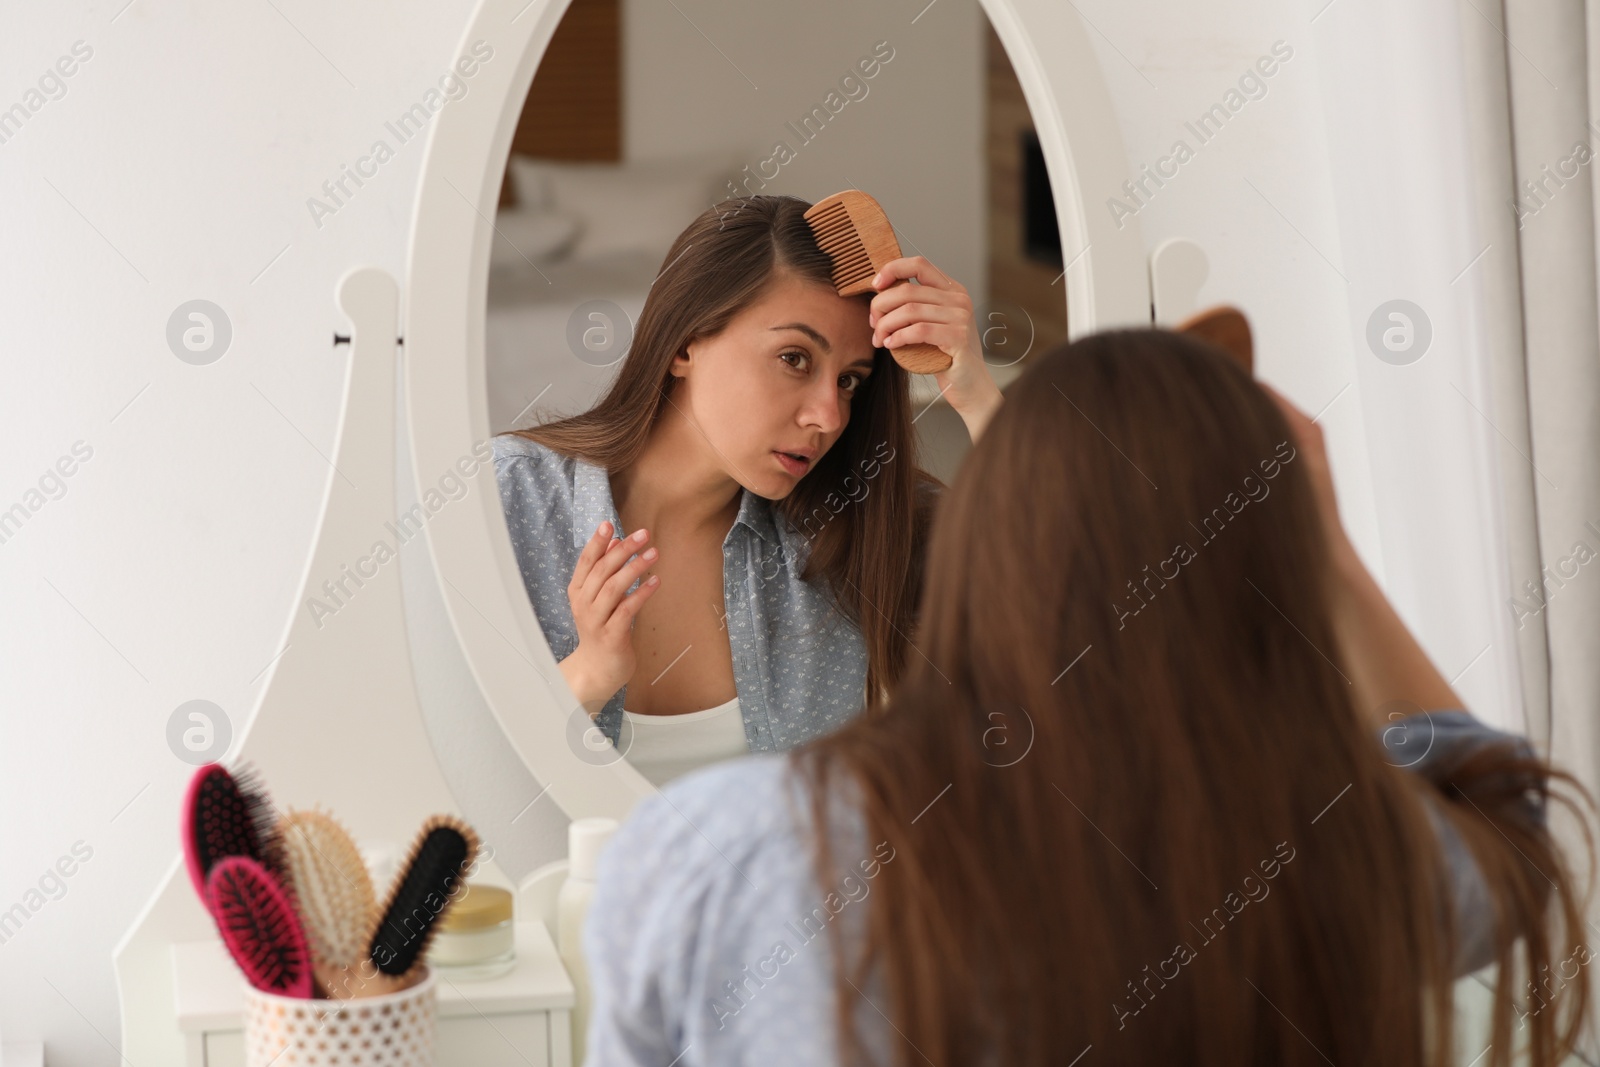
(796, 467)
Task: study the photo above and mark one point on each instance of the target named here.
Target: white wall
(914, 141)
(1345, 184)
(178, 165)
(1257, 193)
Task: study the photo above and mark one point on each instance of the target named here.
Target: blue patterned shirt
(799, 666)
(707, 936)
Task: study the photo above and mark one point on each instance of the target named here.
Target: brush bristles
(229, 814)
(421, 893)
(331, 886)
(259, 926)
(264, 819)
(837, 236)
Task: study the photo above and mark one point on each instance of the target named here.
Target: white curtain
(1550, 389)
(1534, 107)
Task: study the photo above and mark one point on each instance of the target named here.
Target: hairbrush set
(293, 900)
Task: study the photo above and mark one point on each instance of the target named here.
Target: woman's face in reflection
(778, 379)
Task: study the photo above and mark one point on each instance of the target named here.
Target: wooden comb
(855, 233)
(1227, 328)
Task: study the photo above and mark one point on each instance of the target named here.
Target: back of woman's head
(1132, 803)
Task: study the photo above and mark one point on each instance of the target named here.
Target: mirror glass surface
(642, 117)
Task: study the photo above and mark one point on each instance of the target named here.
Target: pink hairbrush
(227, 814)
(260, 926)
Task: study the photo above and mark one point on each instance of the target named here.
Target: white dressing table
(521, 1019)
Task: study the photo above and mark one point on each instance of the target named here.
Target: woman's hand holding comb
(936, 311)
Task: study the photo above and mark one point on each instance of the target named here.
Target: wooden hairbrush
(855, 233)
(1227, 328)
(333, 891)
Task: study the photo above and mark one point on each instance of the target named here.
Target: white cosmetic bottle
(585, 839)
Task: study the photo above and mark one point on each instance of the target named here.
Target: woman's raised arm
(1383, 660)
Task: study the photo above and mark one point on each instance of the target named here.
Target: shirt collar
(592, 505)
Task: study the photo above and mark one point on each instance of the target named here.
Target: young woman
(1145, 797)
(757, 450)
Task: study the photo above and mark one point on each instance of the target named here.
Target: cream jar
(476, 936)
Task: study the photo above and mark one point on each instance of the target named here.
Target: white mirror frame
(1105, 285)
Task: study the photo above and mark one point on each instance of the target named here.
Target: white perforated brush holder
(393, 1030)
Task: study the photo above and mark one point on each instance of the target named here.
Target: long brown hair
(864, 512)
(1125, 798)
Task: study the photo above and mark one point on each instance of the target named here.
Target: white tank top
(662, 747)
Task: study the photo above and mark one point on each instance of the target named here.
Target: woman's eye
(801, 359)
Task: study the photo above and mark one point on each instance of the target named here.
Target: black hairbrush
(424, 888)
(228, 814)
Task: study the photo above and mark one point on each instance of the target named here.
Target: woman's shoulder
(512, 447)
(726, 822)
(533, 476)
(728, 805)
(707, 891)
